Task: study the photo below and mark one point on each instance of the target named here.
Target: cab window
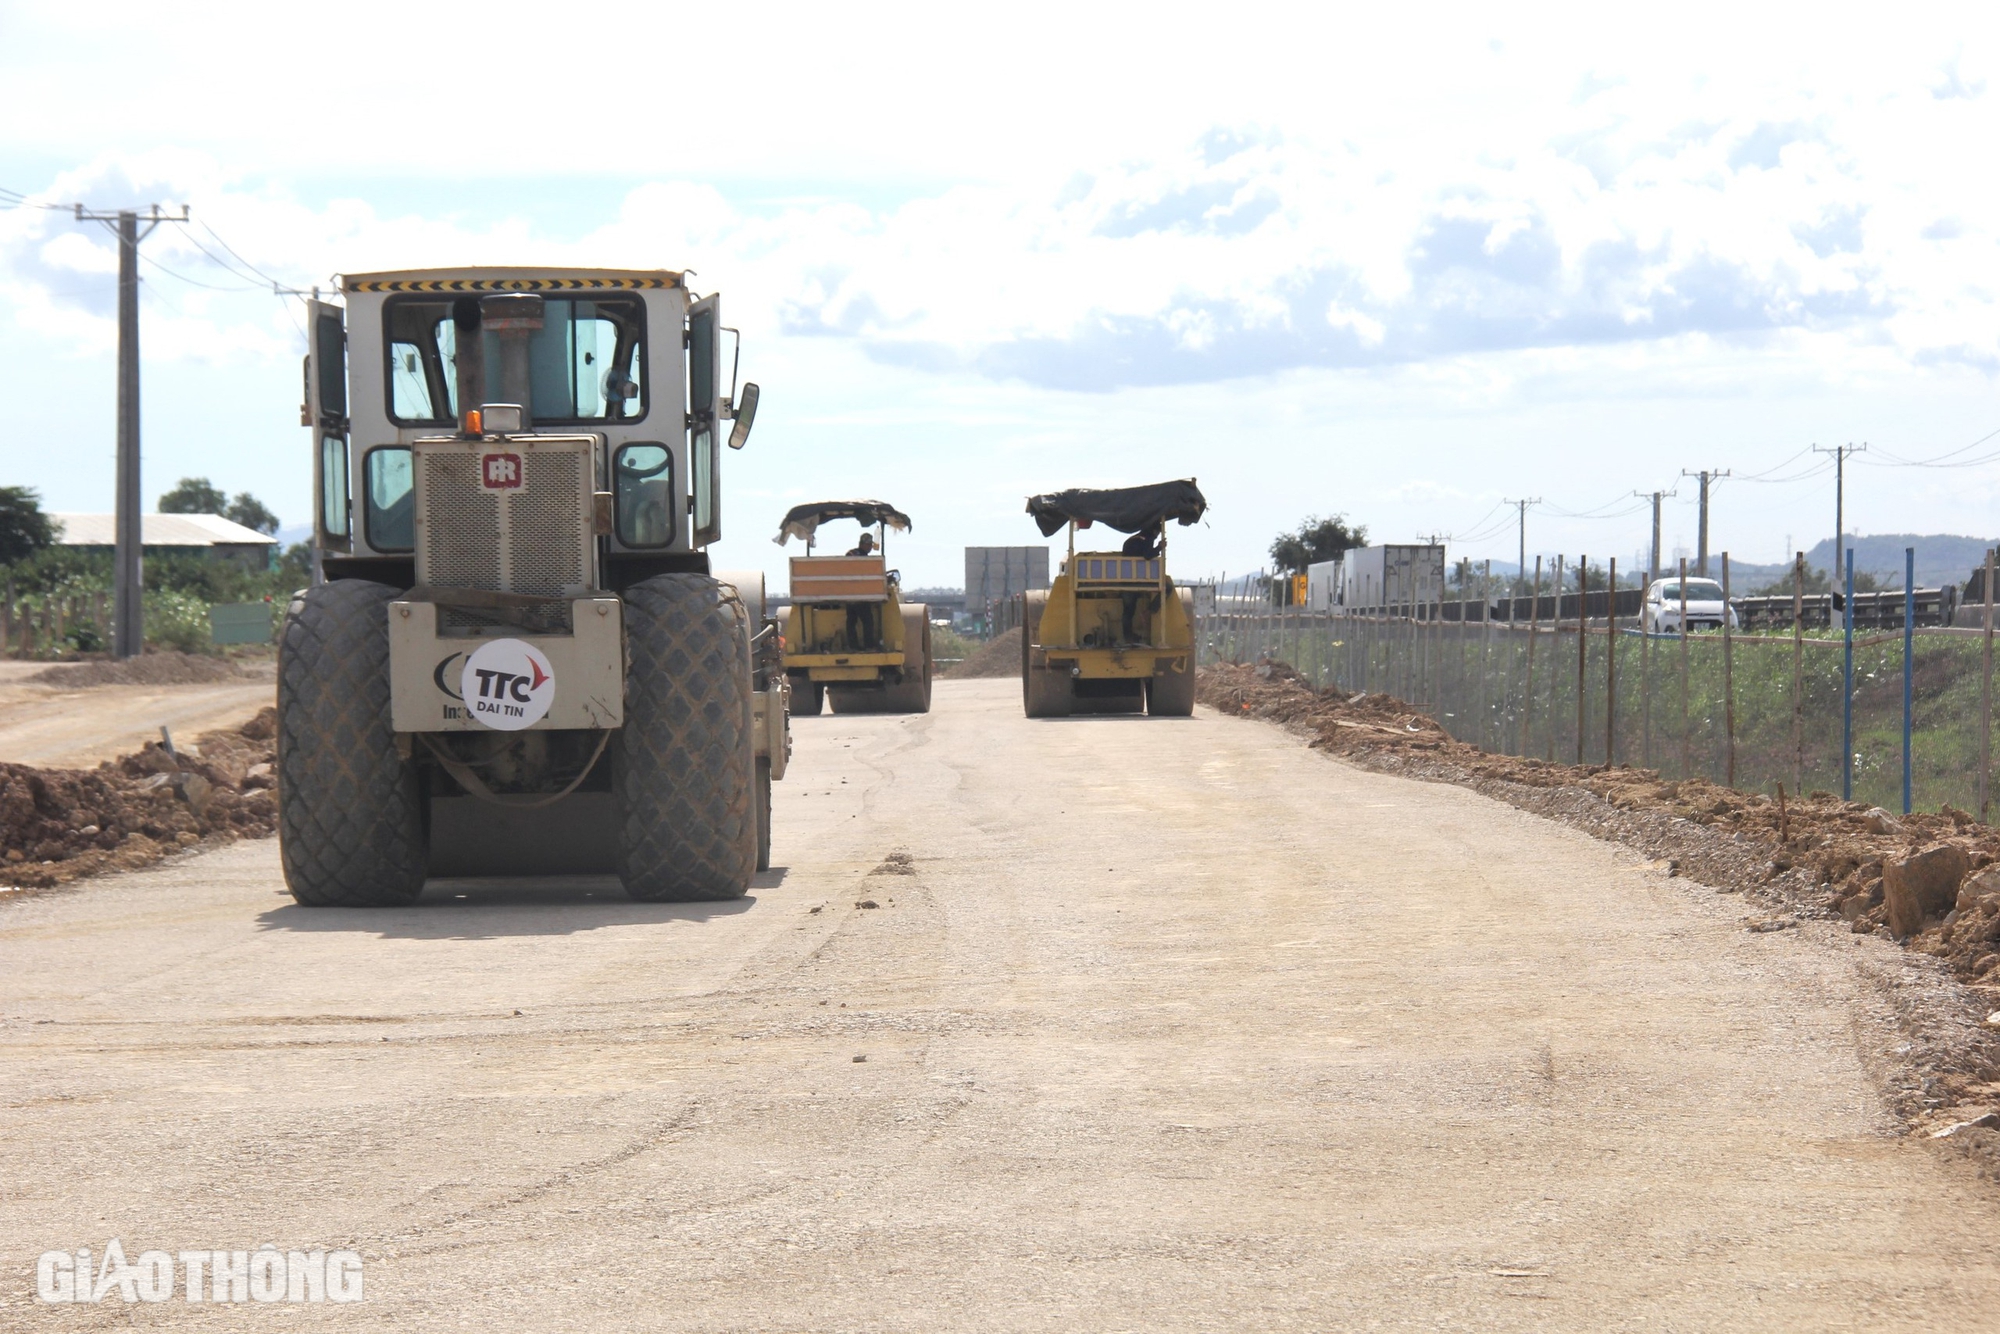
(586, 363)
(643, 488)
(390, 485)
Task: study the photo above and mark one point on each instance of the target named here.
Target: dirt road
(57, 727)
(1177, 1025)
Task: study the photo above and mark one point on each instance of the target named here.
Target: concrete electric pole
(1701, 541)
(128, 638)
(1653, 568)
(1521, 570)
(1840, 453)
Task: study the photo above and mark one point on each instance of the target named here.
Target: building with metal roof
(160, 534)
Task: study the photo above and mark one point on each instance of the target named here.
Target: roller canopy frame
(801, 521)
(1128, 509)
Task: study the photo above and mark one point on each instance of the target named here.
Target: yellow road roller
(850, 639)
(1112, 634)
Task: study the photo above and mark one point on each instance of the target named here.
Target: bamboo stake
(1528, 688)
(1555, 677)
(1728, 683)
(1986, 693)
(1485, 647)
(1611, 665)
(1798, 671)
(1582, 646)
(1687, 764)
(1646, 675)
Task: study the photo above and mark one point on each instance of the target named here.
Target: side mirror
(746, 417)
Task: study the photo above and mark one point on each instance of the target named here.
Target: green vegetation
(1316, 540)
(1475, 681)
(179, 591)
(948, 643)
(24, 529)
(198, 495)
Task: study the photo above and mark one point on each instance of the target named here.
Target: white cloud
(933, 227)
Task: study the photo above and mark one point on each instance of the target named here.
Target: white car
(1705, 607)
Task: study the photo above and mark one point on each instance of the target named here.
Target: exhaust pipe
(515, 317)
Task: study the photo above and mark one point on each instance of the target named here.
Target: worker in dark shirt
(860, 621)
(1145, 543)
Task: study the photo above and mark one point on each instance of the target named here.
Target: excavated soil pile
(58, 825)
(151, 669)
(1928, 880)
(1000, 656)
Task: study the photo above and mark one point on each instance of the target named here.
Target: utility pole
(1521, 570)
(1701, 544)
(1840, 453)
(128, 637)
(1653, 570)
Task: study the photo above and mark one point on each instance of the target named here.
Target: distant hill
(1942, 558)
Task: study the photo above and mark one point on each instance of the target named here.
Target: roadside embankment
(59, 825)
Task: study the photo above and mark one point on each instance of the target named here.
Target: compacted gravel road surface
(1153, 1025)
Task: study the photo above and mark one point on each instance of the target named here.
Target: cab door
(325, 413)
(704, 418)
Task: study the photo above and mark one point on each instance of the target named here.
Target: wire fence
(1746, 710)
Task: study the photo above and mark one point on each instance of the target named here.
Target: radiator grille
(534, 538)
(547, 528)
(461, 524)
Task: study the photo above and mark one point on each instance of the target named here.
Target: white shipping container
(1323, 585)
(1392, 575)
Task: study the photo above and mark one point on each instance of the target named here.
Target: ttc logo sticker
(500, 472)
(508, 685)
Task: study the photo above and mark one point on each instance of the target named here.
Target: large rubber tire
(684, 765)
(807, 697)
(350, 809)
(763, 815)
(1045, 693)
(1172, 695)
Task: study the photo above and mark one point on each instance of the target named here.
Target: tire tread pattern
(350, 815)
(683, 765)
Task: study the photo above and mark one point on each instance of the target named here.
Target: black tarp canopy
(802, 520)
(1129, 509)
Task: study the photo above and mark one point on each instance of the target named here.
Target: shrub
(177, 620)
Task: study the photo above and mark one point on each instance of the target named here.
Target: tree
(193, 495)
(24, 529)
(1316, 540)
(249, 511)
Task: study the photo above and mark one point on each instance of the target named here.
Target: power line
(194, 281)
(239, 258)
(1896, 460)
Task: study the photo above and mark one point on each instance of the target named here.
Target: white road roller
(519, 660)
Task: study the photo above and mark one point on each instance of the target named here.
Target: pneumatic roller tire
(350, 809)
(807, 697)
(684, 765)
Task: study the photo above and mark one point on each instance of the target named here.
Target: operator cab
(538, 404)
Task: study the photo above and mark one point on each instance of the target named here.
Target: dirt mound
(152, 669)
(1000, 656)
(58, 825)
(1830, 855)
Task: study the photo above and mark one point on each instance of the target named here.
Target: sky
(1405, 268)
